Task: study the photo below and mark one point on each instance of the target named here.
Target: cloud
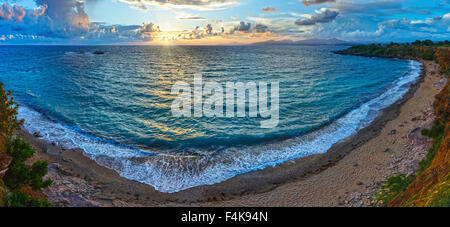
(40, 11)
(215, 21)
(363, 28)
(345, 7)
(193, 4)
(446, 16)
(146, 31)
(209, 29)
(139, 6)
(66, 11)
(246, 27)
(65, 21)
(385, 20)
(243, 27)
(188, 16)
(260, 28)
(323, 15)
(269, 9)
(200, 33)
(316, 2)
(279, 25)
(8, 12)
(192, 18)
(361, 34)
(19, 13)
(433, 25)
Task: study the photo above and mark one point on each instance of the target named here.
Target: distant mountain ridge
(307, 42)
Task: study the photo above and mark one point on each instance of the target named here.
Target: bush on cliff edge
(21, 185)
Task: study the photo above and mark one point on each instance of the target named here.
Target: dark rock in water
(37, 134)
(98, 52)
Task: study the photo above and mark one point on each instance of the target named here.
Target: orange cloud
(269, 9)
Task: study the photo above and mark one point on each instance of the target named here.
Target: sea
(114, 102)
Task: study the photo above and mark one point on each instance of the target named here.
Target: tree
(23, 183)
(8, 114)
(427, 43)
(417, 43)
(20, 174)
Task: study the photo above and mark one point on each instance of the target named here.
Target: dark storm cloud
(316, 2)
(260, 28)
(245, 27)
(322, 16)
(367, 7)
(209, 29)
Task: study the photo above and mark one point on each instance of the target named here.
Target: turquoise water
(116, 106)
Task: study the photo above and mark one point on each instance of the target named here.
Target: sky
(220, 22)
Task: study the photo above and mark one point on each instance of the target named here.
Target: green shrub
(8, 114)
(20, 174)
(436, 132)
(22, 199)
(424, 164)
(442, 194)
(21, 184)
(428, 54)
(393, 187)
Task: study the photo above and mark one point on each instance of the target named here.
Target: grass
(441, 194)
(437, 133)
(392, 188)
(396, 185)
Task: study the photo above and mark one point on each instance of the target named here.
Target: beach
(349, 174)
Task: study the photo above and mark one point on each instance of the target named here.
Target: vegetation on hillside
(426, 50)
(21, 184)
(430, 184)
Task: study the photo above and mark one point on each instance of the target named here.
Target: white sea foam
(176, 173)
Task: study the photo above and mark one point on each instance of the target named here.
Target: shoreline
(79, 181)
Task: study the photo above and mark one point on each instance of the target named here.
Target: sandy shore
(347, 175)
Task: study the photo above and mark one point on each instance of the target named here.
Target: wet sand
(347, 175)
